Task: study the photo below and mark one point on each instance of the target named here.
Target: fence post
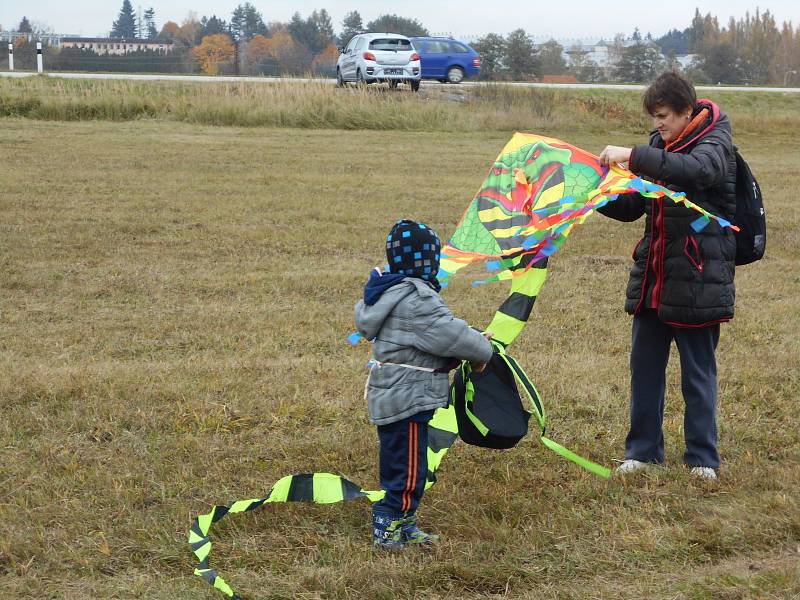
(39, 56)
(10, 57)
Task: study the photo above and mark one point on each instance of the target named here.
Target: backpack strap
(523, 379)
(469, 394)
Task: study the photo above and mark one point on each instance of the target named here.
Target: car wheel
(360, 79)
(455, 74)
(339, 78)
(414, 85)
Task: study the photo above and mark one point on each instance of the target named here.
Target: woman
(681, 283)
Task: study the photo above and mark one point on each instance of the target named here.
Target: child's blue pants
(403, 464)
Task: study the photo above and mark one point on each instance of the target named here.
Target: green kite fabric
(537, 191)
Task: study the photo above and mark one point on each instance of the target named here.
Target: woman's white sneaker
(630, 465)
(703, 473)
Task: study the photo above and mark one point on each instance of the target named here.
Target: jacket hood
(370, 318)
(378, 283)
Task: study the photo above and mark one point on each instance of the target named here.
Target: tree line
(754, 49)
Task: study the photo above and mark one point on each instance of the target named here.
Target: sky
(466, 19)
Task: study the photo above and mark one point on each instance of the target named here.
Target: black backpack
(751, 240)
(488, 406)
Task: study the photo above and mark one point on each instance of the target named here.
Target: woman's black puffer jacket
(686, 275)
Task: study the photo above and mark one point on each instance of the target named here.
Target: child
(416, 339)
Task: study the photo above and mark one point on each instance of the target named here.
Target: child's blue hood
(378, 283)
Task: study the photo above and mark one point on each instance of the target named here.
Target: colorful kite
(536, 192)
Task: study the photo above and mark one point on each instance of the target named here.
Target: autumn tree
(168, 31)
(190, 33)
(324, 63)
(214, 52)
(257, 51)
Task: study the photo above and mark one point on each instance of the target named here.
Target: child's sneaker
(387, 531)
(413, 535)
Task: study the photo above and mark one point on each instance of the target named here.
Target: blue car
(446, 59)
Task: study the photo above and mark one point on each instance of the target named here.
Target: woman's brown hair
(670, 89)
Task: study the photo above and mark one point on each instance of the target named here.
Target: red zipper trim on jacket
(658, 267)
(646, 267)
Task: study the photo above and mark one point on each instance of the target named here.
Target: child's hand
(488, 334)
(478, 367)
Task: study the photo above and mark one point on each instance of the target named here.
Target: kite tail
(320, 488)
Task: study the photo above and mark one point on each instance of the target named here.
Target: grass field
(174, 299)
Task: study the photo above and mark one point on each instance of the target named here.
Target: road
(268, 80)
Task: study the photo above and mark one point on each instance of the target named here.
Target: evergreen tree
(351, 25)
(247, 22)
(125, 25)
(521, 57)
(639, 62)
(324, 26)
(150, 31)
(674, 41)
(315, 32)
(395, 24)
(25, 26)
(213, 26)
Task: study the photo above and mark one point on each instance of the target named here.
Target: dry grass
(319, 105)
(174, 300)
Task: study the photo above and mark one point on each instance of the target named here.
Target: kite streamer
(537, 191)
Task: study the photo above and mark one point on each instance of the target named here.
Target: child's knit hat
(413, 249)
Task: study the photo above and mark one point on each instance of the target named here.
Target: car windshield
(390, 44)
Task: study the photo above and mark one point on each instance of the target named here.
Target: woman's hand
(615, 154)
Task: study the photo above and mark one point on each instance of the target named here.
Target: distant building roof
(99, 40)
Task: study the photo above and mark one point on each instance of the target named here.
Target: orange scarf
(694, 125)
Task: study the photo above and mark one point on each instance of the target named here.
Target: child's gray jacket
(412, 326)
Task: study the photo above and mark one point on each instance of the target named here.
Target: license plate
(393, 71)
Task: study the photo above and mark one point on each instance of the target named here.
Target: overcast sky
(466, 19)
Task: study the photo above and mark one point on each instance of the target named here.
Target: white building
(115, 45)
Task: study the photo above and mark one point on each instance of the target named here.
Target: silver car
(374, 57)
